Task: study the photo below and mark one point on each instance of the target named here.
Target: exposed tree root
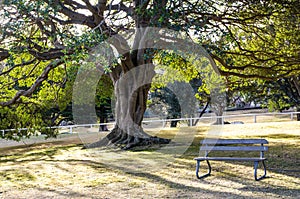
(125, 141)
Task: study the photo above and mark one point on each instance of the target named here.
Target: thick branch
(37, 83)
(50, 55)
(75, 17)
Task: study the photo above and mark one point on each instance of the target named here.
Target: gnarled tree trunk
(131, 92)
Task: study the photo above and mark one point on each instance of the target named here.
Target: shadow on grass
(281, 155)
(27, 154)
(253, 187)
(66, 193)
(182, 188)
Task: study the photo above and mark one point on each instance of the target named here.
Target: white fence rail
(286, 116)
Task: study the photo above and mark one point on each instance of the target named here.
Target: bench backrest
(208, 145)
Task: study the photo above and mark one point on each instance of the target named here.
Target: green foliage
(104, 90)
(103, 99)
(266, 47)
(282, 94)
(207, 84)
(249, 39)
(165, 103)
(19, 116)
(173, 67)
(278, 95)
(29, 112)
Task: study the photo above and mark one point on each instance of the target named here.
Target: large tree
(247, 38)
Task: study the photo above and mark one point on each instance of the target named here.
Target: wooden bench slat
(230, 158)
(233, 148)
(234, 141)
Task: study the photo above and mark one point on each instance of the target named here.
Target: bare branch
(90, 7)
(17, 65)
(38, 82)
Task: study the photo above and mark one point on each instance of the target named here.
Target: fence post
(191, 121)
(292, 116)
(71, 129)
(254, 118)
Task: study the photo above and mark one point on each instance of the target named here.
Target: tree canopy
(41, 39)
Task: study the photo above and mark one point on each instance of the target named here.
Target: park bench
(228, 146)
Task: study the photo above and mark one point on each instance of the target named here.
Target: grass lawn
(64, 170)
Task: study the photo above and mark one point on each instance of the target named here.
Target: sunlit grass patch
(104, 180)
(16, 176)
(157, 172)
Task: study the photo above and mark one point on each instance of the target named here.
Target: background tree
(165, 104)
(279, 95)
(176, 69)
(283, 94)
(104, 94)
(238, 35)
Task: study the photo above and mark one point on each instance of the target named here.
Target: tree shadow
(48, 155)
(64, 193)
(27, 155)
(247, 185)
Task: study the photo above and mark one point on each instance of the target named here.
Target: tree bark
(298, 114)
(131, 91)
(296, 80)
(173, 124)
(219, 109)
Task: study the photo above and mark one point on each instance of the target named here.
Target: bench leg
(198, 168)
(255, 170)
